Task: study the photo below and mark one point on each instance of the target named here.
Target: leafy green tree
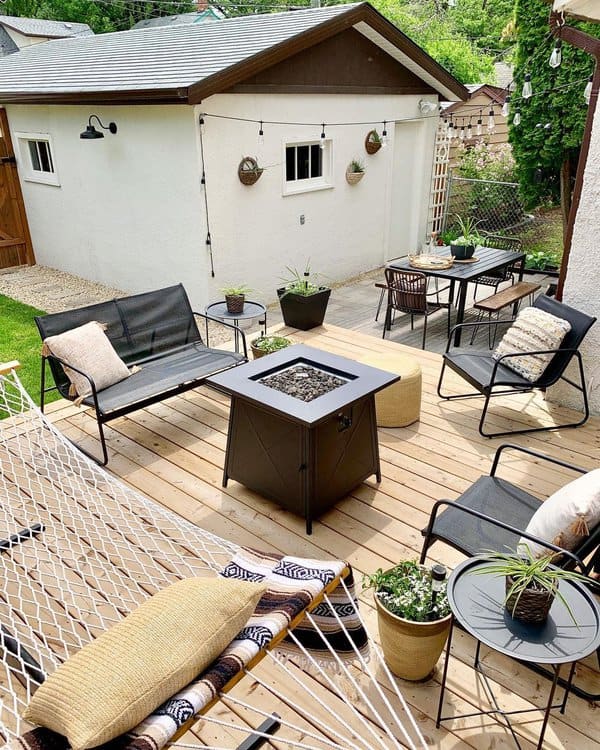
(110, 15)
(547, 141)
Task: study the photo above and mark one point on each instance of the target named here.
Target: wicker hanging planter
(353, 177)
(248, 170)
(372, 142)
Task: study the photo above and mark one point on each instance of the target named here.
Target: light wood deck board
(174, 453)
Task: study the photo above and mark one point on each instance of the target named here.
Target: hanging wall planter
(355, 171)
(372, 142)
(249, 171)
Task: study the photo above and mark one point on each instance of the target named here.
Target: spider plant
(526, 571)
(303, 283)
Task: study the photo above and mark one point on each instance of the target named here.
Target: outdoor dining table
(488, 259)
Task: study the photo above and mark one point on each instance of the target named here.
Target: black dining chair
(407, 293)
(495, 278)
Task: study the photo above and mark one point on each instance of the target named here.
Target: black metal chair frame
(428, 308)
(495, 278)
(551, 375)
(588, 550)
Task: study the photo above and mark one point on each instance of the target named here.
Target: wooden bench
(493, 304)
(154, 331)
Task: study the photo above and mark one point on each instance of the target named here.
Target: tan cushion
(568, 515)
(534, 330)
(89, 349)
(117, 680)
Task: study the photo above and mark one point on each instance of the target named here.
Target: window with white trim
(37, 158)
(307, 166)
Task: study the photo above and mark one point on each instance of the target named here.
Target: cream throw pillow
(567, 516)
(117, 680)
(89, 349)
(534, 330)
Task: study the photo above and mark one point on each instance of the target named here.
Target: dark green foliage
(116, 15)
(540, 151)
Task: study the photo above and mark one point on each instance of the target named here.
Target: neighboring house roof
(45, 28)
(495, 94)
(210, 14)
(189, 62)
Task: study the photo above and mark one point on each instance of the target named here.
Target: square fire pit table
(303, 454)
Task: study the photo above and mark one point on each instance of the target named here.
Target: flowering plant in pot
(413, 615)
(532, 582)
(235, 298)
(303, 300)
(268, 344)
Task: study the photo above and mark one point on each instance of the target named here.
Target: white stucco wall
(582, 282)
(129, 211)
(257, 231)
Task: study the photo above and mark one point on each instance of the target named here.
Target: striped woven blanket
(293, 583)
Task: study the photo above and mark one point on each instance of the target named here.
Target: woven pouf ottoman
(399, 404)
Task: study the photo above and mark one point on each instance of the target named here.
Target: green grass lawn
(20, 340)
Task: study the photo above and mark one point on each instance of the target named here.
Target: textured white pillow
(89, 349)
(534, 330)
(566, 516)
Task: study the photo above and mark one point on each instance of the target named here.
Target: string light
(491, 125)
(506, 107)
(479, 129)
(462, 131)
(261, 135)
(322, 142)
(384, 135)
(587, 92)
(556, 56)
(527, 89)
(469, 129)
(517, 118)
(450, 131)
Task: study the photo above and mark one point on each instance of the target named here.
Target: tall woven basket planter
(411, 649)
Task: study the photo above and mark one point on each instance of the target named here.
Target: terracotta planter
(533, 605)
(411, 649)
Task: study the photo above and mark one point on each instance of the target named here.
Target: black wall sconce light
(90, 133)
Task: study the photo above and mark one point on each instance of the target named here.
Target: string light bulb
(322, 141)
(261, 135)
(450, 130)
(506, 107)
(587, 92)
(527, 92)
(470, 129)
(384, 135)
(491, 124)
(517, 118)
(461, 135)
(479, 128)
(556, 56)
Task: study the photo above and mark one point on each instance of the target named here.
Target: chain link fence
(497, 209)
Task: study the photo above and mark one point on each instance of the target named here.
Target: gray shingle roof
(43, 27)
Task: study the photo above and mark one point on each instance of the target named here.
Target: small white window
(307, 167)
(37, 158)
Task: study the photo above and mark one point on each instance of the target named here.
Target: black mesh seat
(155, 331)
(484, 373)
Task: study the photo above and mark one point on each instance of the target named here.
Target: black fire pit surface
(304, 455)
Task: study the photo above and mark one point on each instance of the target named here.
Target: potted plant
(532, 583)
(303, 300)
(372, 142)
(464, 245)
(235, 297)
(249, 171)
(268, 344)
(413, 615)
(355, 171)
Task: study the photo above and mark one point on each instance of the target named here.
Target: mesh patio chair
(493, 513)
(407, 293)
(486, 374)
(495, 278)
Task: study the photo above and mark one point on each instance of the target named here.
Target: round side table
(477, 602)
(251, 311)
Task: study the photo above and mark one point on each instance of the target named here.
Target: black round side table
(477, 602)
(251, 311)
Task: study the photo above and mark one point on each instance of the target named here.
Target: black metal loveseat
(155, 331)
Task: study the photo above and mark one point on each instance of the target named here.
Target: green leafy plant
(528, 572)
(356, 166)
(374, 137)
(448, 236)
(468, 232)
(236, 291)
(303, 283)
(270, 344)
(406, 591)
(541, 259)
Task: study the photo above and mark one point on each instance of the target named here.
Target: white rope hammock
(94, 549)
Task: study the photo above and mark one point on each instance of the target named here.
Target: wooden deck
(173, 452)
